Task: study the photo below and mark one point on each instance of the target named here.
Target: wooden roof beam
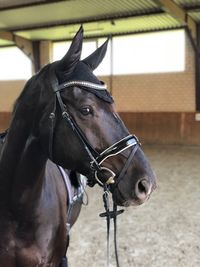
(23, 44)
(28, 47)
(179, 14)
(6, 36)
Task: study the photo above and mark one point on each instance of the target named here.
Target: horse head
(81, 130)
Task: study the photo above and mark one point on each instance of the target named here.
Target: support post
(197, 69)
(36, 56)
(46, 50)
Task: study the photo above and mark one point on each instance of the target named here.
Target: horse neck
(30, 174)
(21, 160)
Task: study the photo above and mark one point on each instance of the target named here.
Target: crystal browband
(83, 83)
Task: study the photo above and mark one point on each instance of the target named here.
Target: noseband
(96, 159)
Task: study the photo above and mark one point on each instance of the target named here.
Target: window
(105, 67)
(14, 64)
(149, 53)
(61, 48)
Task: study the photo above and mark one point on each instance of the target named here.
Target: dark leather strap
(64, 262)
(110, 215)
(128, 162)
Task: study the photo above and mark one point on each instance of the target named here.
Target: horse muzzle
(139, 194)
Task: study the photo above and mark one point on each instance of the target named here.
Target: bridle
(96, 159)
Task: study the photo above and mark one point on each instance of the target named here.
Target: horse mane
(23, 118)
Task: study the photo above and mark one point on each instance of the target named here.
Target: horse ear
(69, 61)
(97, 56)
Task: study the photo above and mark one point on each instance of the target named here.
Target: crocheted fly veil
(72, 71)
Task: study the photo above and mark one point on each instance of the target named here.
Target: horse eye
(86, 111)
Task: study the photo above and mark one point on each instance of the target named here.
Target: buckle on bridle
(110, 180)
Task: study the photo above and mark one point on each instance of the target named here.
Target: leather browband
(82, 83)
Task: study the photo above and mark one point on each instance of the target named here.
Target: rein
(96, 159)
(110, 215)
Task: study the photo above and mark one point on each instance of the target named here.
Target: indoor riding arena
(152, 71)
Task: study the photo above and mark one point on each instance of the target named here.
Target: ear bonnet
(72, 71)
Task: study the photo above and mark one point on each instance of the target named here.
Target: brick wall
(9, 91)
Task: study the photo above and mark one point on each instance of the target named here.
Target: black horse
(63, 117)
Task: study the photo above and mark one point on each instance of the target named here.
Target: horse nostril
(142, 186)
(142, 189)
